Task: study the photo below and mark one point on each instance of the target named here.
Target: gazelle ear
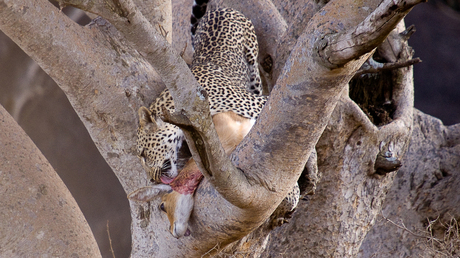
(145, 116)
(148, 193)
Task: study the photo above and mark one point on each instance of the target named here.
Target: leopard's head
(158, 147)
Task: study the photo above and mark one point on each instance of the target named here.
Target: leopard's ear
(146, 117)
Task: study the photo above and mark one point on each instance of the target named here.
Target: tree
(114, 71)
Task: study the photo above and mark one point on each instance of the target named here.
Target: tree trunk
(420, 214)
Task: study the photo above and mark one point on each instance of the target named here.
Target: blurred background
(437, 43)
(43, 111)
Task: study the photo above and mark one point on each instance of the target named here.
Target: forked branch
(335, 50)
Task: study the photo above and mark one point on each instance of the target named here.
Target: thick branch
(158, 11)
(101, 8)
(152, 44)
(39, 216)
(296, 14)
(159, 14)
(336, 50)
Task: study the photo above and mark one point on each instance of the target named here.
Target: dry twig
(110, 240)
(387, 66)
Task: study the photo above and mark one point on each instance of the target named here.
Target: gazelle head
(178, 207)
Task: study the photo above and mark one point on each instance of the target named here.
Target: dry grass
(439, 238)
(443, 238)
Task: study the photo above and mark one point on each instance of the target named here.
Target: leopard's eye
(141, 156)
(162, 206)
(142, 160)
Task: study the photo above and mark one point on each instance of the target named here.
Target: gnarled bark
(425, 189)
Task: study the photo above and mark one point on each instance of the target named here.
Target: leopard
(225, 65)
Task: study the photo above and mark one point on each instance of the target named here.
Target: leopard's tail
(198, 11)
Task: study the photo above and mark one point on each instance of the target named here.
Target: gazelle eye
(162, 206)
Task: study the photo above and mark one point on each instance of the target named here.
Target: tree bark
(425, 190)
(112, 80)
(39, 215)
